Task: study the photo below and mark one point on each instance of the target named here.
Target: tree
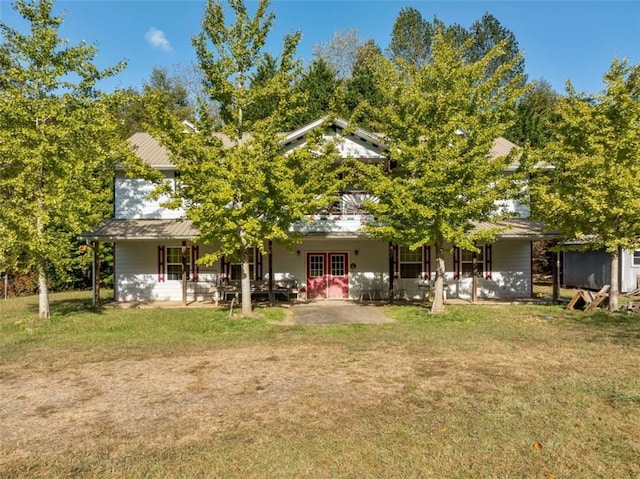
(592, 193)
(318, 83)
(58, 144)
(535, 115)
(339, 52)
(245, 190)
(361, 87)
(411, 37)
(486, 33)
(440, 120)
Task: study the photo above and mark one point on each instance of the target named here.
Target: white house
(335, 259)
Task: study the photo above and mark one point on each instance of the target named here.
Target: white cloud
(157, 39)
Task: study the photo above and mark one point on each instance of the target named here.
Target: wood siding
(132, 202)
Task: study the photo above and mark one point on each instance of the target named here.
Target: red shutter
(456, 263)
(195, 269)
(258, 256)
(161, 263)
(224, 270)
(426, 262)
(396, 262)
(488, 262)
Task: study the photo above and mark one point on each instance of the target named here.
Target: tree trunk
(246, 283)
(43, 292)
(438, 295)
(614, 286)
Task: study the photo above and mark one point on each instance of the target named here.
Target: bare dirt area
(45, 412)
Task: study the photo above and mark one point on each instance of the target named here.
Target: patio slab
(338, 312)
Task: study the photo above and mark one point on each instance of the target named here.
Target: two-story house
(335, 258)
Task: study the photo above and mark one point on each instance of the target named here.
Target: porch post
(96, 273)
(555, 274)
(474, 279)
(271, 298)
(183, 252)
(392, 269)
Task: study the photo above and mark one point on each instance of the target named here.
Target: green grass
(479, 391)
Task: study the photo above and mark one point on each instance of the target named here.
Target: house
(592, 269)
(156, 257)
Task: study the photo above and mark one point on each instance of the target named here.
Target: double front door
(327, 275)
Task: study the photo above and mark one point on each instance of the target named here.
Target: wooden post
(96, 274)
(555, 275)
(271, 298)
(183, 253)
(391, 271)
(474, 279)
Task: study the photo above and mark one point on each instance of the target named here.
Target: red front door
(327, 275)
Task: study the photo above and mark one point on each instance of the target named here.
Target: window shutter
(195, 269)
(161, 264)
(258, 256)
(488, 263)
(224, 269)
(456, 263)
(426, 262)
(396, 262)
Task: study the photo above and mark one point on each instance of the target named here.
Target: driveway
(338, 312)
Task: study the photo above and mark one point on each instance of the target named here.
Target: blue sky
(561, 39)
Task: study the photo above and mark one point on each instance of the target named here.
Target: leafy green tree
(535, 114)
(318, 83)
(411, 37)
(593, 193)
(485, 34)
(58, 143)
(238, 187)
(361, 87)
(440, 120)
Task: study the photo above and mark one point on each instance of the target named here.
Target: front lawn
(480, 391)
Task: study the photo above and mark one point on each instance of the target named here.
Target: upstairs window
(636, 258)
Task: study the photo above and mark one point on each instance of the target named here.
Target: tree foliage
(340, 52)
(535, 115)
(319, 84)
(440, 120)
(238, 186)
(592, 193)
(58, 145)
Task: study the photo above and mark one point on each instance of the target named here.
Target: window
(410, 262)
(174, 262)
(636, 258)
(235, 269)
(466, 263)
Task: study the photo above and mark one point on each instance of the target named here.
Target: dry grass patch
(478, 392)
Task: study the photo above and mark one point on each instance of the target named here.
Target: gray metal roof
(150, 150)
(517, 228)
(123, 229)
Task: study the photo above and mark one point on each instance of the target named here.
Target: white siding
(132, 202)
(137, 270)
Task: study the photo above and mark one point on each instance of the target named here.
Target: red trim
(161, 264)
(426, 262)
(396, 262)
(488, 261)
(195, 269)
(456, 262)
(258, 256)
(224, 269)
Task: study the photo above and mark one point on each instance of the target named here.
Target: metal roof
(150, 150)
(517, 228)
(124, 229)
